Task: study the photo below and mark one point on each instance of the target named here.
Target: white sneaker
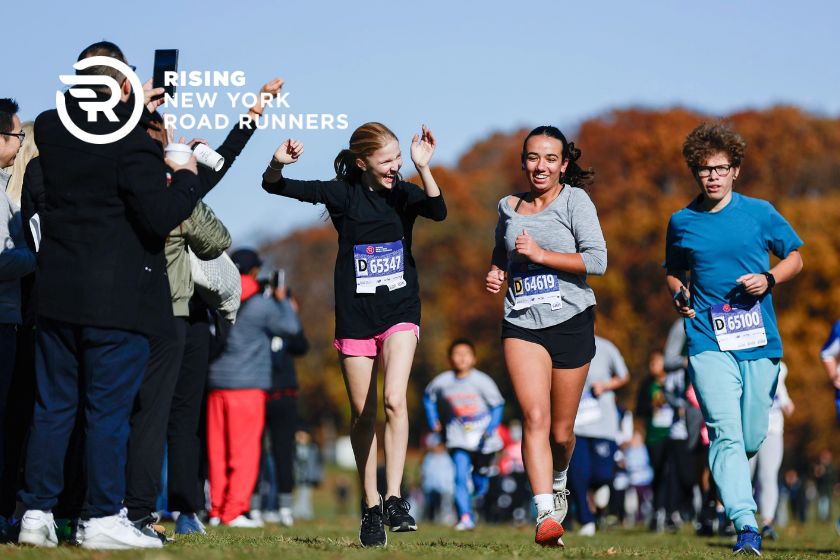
(601, 497)
(244, 522)
(116, 532)
(561, 504)
(587, 530)
(286, 517)
(214, 521)
(271, 516)
(37, 528)
(465, 523)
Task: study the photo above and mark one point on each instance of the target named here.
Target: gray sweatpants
(769, 460)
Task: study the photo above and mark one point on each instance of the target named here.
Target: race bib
(532, 284)
(738, 328)
(663, 417)
(379, 264)
(589, 410)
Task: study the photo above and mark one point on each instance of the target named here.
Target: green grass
(337, 539)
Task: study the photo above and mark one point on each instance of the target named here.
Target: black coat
(107, 212)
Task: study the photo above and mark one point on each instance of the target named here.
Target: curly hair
(709, 139)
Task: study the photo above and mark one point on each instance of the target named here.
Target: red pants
(235, 420)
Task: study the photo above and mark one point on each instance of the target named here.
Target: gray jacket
(16, 259)
(245, 362)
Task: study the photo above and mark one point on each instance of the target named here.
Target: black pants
(16, 431)
(17, 416)
(658, 453)
(682, 475)
(184, 434)
(674, 474)
(281, 421)
(149, 420)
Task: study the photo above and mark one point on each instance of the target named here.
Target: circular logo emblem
(726, 308)
(369, 249)
(95, 106)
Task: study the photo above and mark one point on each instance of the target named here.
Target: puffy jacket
(206, 236)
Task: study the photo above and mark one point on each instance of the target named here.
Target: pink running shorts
(371, 346)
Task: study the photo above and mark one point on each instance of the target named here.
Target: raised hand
(289, 152)
(273, 88)
(149, 92)
(527, 247)
(422, 148)
(494, 280)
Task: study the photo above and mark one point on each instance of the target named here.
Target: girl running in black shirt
(377, 302)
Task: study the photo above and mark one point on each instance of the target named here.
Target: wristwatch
(771, 280)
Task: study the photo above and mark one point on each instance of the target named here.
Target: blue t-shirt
(718, 248)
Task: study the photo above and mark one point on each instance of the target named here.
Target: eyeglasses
(705, 171)
(20, 135)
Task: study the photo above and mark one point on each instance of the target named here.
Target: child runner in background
(472, 409)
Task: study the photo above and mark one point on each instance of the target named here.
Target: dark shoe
(769, 533)
(372, 528)
(397, 516)
(188, 524)
(749, 542)
(150, 527)
(705, 529)
(69, 531)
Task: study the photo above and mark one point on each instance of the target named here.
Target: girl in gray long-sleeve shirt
(547, 240)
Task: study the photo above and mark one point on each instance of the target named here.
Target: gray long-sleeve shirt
(569, 224)
(16, 259)
(245, 362)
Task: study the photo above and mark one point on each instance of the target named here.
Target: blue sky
(465, 68)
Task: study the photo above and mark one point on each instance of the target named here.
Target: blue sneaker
(188, 524)
(749, 541)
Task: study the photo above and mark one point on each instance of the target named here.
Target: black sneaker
(372, 528)
(151, 527)
(397, 516)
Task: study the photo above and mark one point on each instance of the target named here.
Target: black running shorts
(570, 344)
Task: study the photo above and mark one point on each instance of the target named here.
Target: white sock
(560, 480)
(544, 502)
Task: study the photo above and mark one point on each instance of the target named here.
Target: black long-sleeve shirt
(362, 216)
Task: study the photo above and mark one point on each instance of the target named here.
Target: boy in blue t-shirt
(718, 247)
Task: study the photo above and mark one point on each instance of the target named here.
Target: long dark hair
(574, 175)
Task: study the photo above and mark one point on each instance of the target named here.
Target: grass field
(337, 539)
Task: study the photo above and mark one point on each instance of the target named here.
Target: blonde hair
(28, 150)
(363, 142)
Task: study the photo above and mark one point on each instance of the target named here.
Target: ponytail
(345, 166)
(575, 175)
